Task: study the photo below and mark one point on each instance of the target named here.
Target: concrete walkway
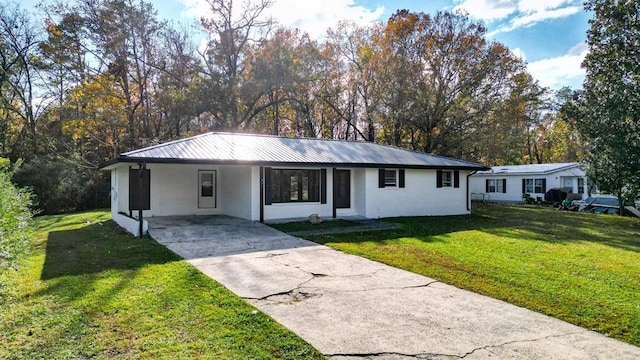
(352, 308)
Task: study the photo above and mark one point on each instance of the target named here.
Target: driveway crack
(389, 353)
(487, 347)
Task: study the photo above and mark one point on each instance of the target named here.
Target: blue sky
(549, 34)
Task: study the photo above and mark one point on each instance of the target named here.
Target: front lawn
(581, 268)
(90, 291)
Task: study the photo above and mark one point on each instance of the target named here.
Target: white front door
(206, 189)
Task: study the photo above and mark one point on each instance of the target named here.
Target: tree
(19, 103)
(442, 80)
(232, 32)
(609, 106)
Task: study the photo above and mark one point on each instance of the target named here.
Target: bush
(63, 186)
(15, 217)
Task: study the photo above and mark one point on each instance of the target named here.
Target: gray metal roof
(238, 148)
(530, 169)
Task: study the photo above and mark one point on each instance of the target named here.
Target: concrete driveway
(353, 308)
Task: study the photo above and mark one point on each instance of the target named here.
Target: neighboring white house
(265, 178)
(509, 183)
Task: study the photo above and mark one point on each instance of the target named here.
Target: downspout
(142, 168)
(262, 194)
(468, 200)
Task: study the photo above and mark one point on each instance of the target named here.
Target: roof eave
(126, 159)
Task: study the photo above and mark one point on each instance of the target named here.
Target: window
(536, 186)
(389, 178)
(580, 185)
(207, 189)
(206, 184)
(448, 178)
(288, 185)
(496, 186)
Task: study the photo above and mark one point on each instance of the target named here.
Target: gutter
(124, 159)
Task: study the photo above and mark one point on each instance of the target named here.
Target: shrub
(15, 217)
(63, 186)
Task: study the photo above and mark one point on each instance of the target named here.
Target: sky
(549, 35)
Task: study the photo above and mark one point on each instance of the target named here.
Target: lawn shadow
(560, 227)
(97, 247)
(521, 223)
(423, 228)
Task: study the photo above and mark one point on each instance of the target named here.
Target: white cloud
(519, 53)
(561, 71)
(488, 10)
(520, 13)
(195, 8)
(535, 17)
(527, 6)
(313, 17)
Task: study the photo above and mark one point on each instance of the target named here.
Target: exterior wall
(419, 197)
(514, 184)
(131, 225)
(359, 191)
(174, 191)
(255, 193)
(235, 192)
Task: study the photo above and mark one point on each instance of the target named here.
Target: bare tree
(20, 104)
(232, 32)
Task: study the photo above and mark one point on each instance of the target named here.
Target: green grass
(581, 268)
(88, 290)
(305, 225)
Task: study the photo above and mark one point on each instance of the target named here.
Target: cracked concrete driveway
(353, 308)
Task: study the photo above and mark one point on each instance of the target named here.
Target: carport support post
(142, 167)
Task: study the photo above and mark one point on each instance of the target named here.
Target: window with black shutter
(447, 178)
(390, 178)
(496, 185)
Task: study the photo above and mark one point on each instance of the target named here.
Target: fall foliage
(85, 80)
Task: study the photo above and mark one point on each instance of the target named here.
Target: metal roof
(238, 148)
(528, 169)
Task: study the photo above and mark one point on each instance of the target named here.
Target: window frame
(532, 185)
(307, 181)
(498, 186)
(443, 178)
(394, 181)
(538, 184)
(581, 185)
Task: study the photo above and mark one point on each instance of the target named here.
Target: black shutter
(323, 186)
(139, 183)
(504, 186)
(439, 178)
(380, 178)
(544, 186)
(523, 187)
(456, 179)
(486, 186)
(401, 178)
(267, 186)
